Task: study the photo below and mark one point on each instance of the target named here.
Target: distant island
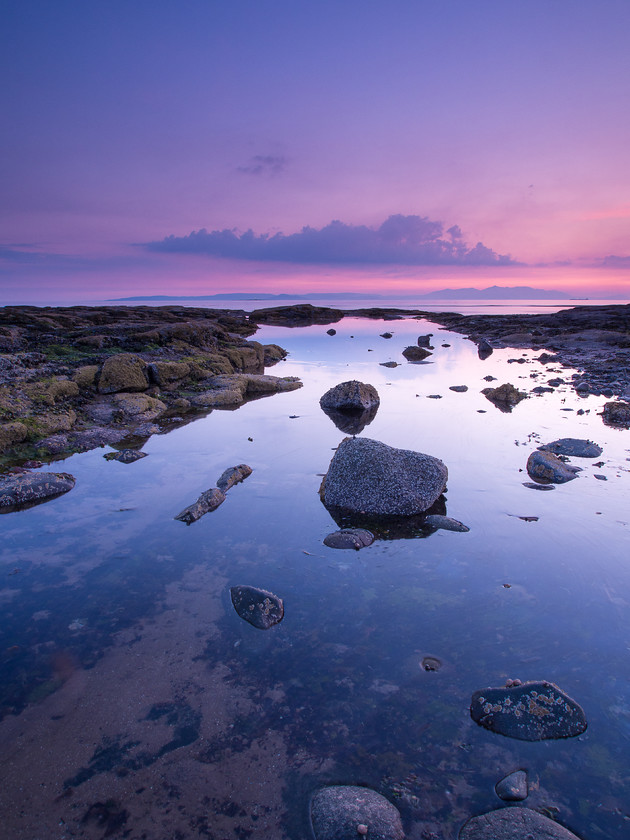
(469, 293)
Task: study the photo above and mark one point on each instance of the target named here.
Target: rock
(513, 788)
(514, 823)
(425, 341)
(431, 663)
(484, 349)
(163, 373)
(298, 315)
(85, 376)
(27, 489)
(11, 434)
(505, 396)
(548, 468)
(386, 335)
(490, 378)
(415, 354)
(272, 354)
(573, 446)
(338, 811)
(445, 523)
(368, 477)
(389, 364)
(125, 456)
(331, 331)
(123, 372)
(260, 608)
(349, 538)
(232, 476)
(229, 390)
(459, 389)
(208, 501)
(617, 413)
(140, 407)
(533, 711)
(351, 397)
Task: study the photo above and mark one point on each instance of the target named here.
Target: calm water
(138, 704)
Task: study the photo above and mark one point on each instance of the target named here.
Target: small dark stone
(260, 608)
(431, 663)
(389, 364)
(484, 349)
(513, 788)
(386, 335)
(425, 341)
(331, 331)
(434, 396)
(125, 456)
(349, 538)
(445, 523)
(459, 389)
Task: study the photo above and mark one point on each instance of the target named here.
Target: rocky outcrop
(368, 477)
(531, 711)
(25, 489)
(505, 396)
(258, 607)
(229, 390)
(548, 468)
(514, 824)
(345, 812)
(300, 315)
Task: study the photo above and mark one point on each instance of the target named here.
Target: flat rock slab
(208, 501)
(445, 523)
(232, 476)
(343, 812)
(513, 787)
(514, 823)
(573, 446)
(368, 477)
(549, 468)
(533, 711)
(260, 608)
(27, 489)
(349, 538)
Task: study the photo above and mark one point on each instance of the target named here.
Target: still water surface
(137, 703)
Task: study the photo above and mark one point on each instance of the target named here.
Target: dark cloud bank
(402, 240)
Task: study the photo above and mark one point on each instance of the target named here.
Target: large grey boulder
(347, 812)
(514, 823)
(368, 477)
(531, 711)
(352, 397)
(549, 468)
(26, 489)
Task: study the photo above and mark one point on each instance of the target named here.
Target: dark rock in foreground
(343, 812)
(533, 711)
(505, 396)
(549, 468)
(260, 608)
(415, 354)
(27, 489)
(513, 788)
(349, 538)
(208, 501)
(573, 446)
(514, 824)
(368, 477)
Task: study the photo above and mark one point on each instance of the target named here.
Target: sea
(137, 703)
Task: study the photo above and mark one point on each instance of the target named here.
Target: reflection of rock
(415, 354)
(27, 489)
(349, 538)
(573, 446)
(513, 788)
(351, 405)
(445, 523)
(260, 608)
(549, 468)
(617, 413)
(514, 824)
(390, 527)
(368, 477)
(351, 423)
(484, 349)
(505, 396)
(208, 501)
(533, 711)
(342, 812)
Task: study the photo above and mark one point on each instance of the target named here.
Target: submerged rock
(532, 711)
(415, 354)
(349, 538)
(27, 489)
(573, 446)
(343, 812)
(549, 468)
(368, 477)
(445, 523)
(232, 476)
(505, 396)
(514, 824)
(513, 787)
(208, 501)
(260, 608)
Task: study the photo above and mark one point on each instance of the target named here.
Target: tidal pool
(136, 703)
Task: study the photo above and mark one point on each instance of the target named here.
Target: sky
(191, 147)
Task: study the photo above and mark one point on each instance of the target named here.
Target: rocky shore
(73, 378)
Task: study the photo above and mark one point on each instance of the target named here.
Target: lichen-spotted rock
(26, 489)
(338, 811)
(514, 823)
(260, 608)
(532, 711)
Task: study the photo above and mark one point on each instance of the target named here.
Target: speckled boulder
(338, 813)
(514, 823)
(26, 489)
(368, 477)
(533, 711)
(549, 468)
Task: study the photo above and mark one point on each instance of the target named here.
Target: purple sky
(204, 146)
